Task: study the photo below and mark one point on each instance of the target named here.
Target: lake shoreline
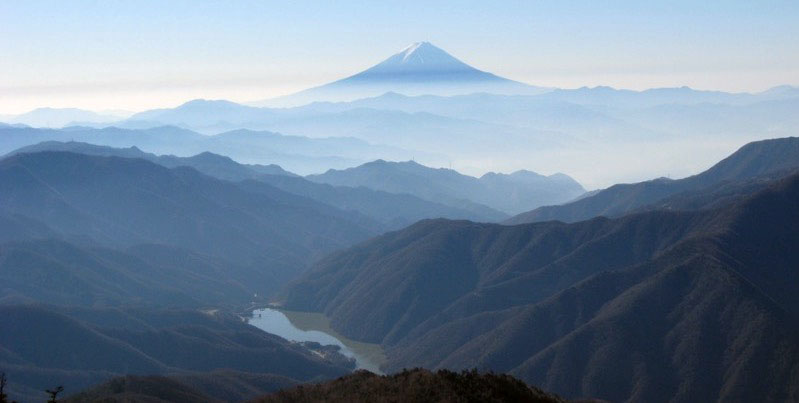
(312, 326)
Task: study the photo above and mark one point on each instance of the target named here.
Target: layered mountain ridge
(506, 192)
(750, 161)
(652, 306)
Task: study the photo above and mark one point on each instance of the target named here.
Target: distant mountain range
(756, 159)
(297, 154)
(656, 132)
(570, 131)
(61, 117)
(635, 308)
(393, 210)
(505, 192)
(421, 68)
(208, 163)
(393, 193)
(133, 246)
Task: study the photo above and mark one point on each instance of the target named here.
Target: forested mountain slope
(648, 307)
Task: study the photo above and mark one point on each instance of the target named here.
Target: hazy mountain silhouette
(647, 307)
(409, 134)
(506, 132)
(262, 232)
(421, 68)
(603, 95)
(296, 154)
(530, 112)
(390, 209)
(62, 273)
(211, 164)
(600, 113)
(752, 160)
(395, 210)
(204, 113)
(60, 117)
(508, 193)
(596, 114)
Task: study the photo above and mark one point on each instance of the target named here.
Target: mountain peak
(421, 57)
(418, 48)
(420, 68)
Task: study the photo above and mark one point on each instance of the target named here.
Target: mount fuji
(419, 69)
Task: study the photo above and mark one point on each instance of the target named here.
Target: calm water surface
(303, 326)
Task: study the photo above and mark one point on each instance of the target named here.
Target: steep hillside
(261, 231)
(648, 307)
(752, 160)
(56, 272)
(45, 347)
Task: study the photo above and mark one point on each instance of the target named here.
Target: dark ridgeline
(659, 305)
(417, 385)
(760, 159)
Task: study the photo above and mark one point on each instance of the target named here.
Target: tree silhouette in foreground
(54, 394)
(3, 395)
(3, 381)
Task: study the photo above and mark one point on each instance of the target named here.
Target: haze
(111, 55)
(295, 201)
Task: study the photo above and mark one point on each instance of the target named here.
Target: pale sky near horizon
(136, 55)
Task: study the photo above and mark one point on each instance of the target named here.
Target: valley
(208, 202)
(315, 327)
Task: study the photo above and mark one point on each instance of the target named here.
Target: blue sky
(136, 55)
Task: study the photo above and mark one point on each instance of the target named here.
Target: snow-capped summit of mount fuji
(420, 58)
(419, 69)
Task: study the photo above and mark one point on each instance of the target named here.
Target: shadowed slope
(648, 307)
(264, 233)
(78, 347)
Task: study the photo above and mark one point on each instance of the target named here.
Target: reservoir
(306, 326)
